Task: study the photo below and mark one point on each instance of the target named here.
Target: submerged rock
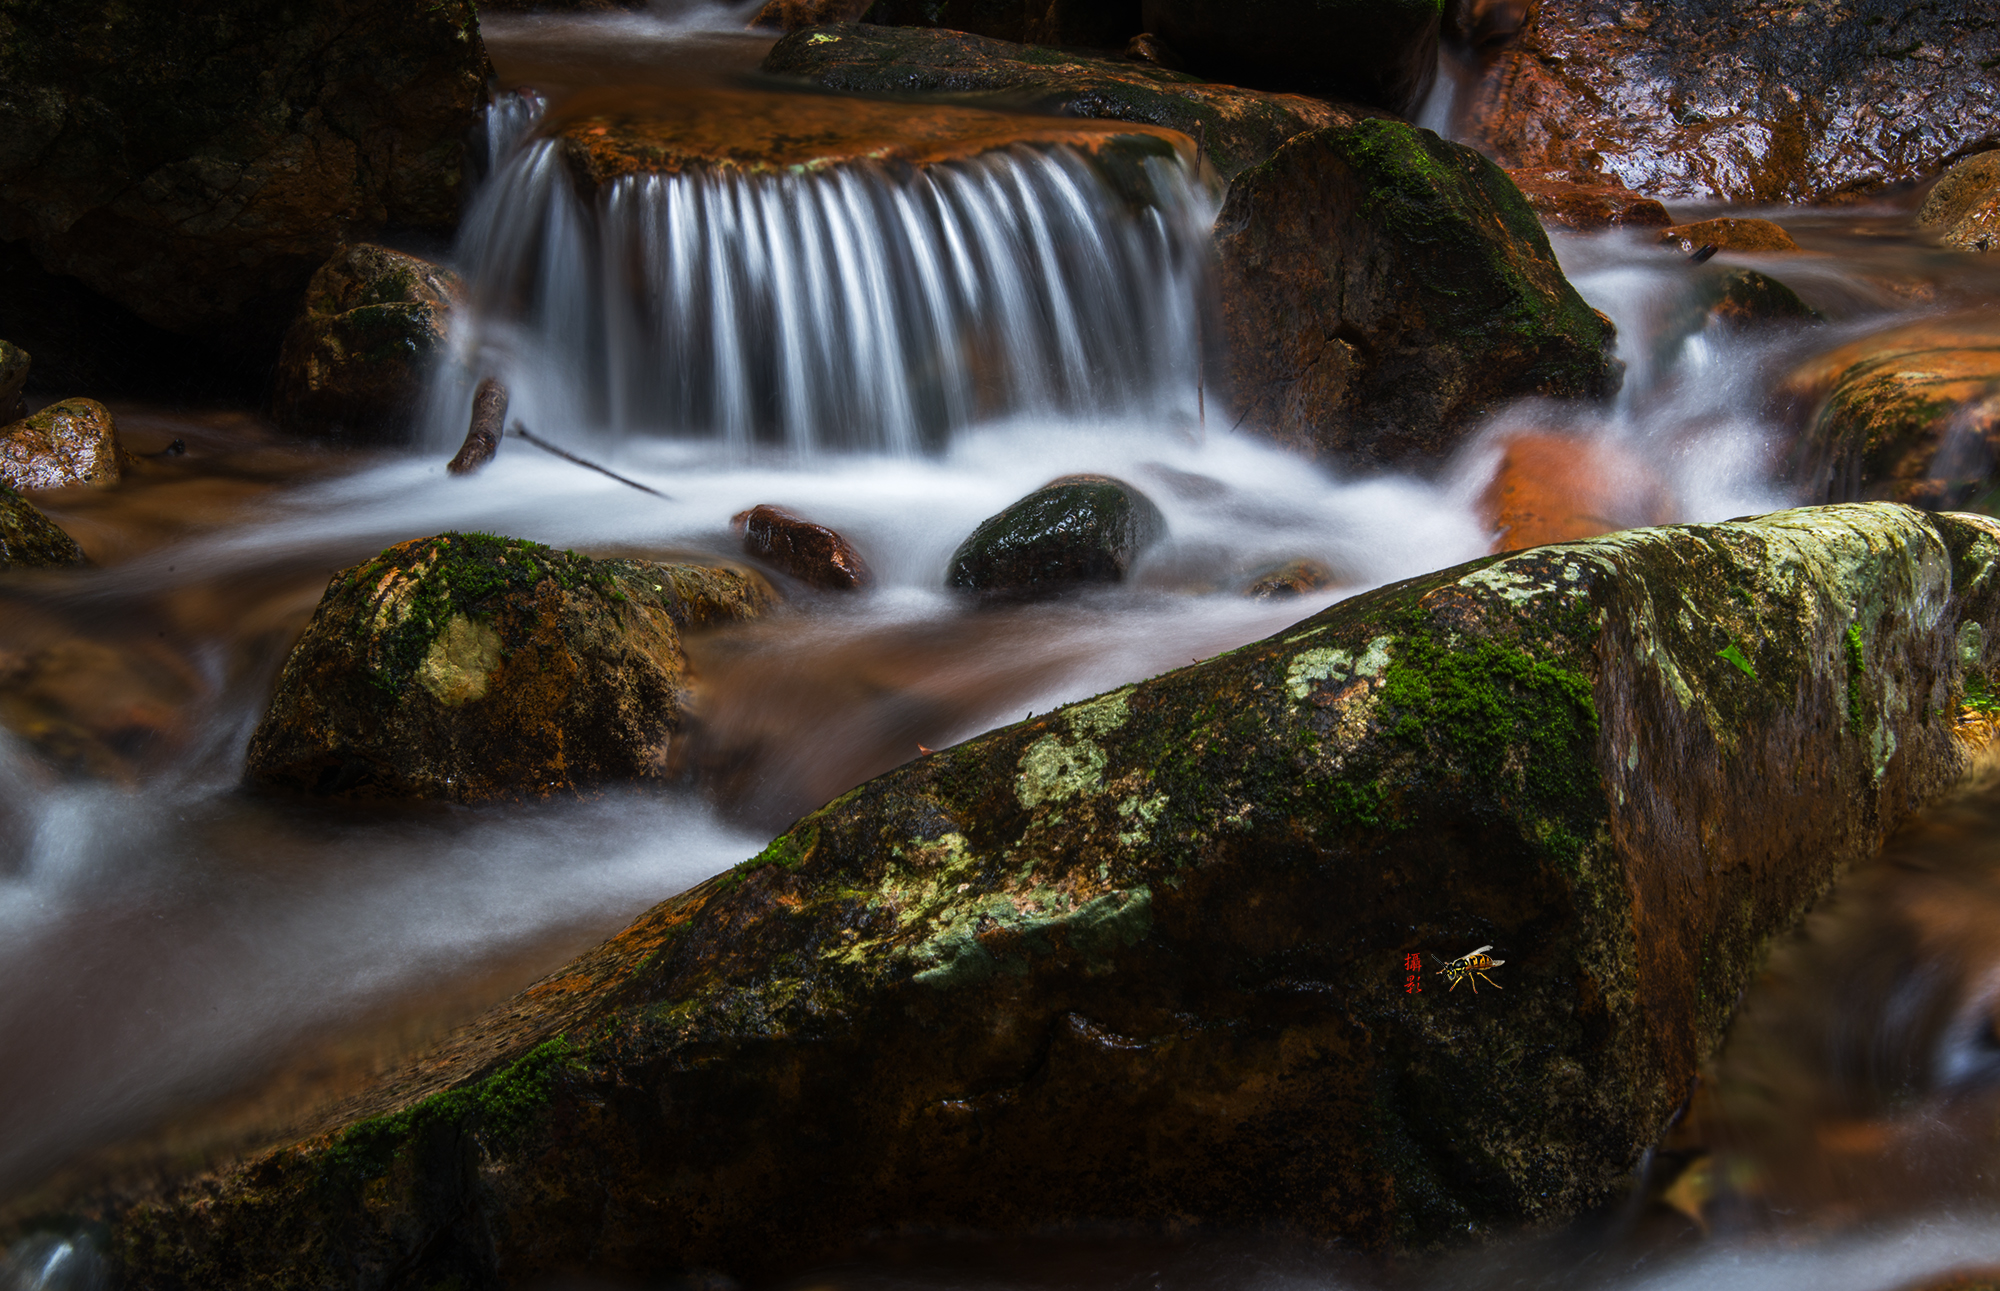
(1293, 578)
(1564, 203)
(93, 709)
(1379, 52)
(29, 539)
(72, 442)
(1078, 531)
(1745, 298)
(14, 363)
(1554, 488)
(1907, 415)
(355, 361)
(811, 553)
(1234, 127)
(1963, 208)
(196, 166)
(1734, 100)
(468, 667)
(1382, 288)
(1728, 233)
(1146, 960)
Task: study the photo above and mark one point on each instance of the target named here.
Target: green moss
(1856, 668)
(787, 851)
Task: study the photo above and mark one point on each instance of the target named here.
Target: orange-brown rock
(95, 709)
(1907, 415)
(1581, 207)
(72, 442)
(1293, 578)
(1728, 233)
(468, 667)
(811, 553)
(1557, 488)
(1963, 208)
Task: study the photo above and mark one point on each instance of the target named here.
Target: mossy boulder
(1235, 127)
(196, 165)
(468, 666)
(68, 443)
(1144, 960)
(354, 362)
(1383, 288)
(1076, 532)
(1911, 415)
(1963, 207)
(29, 539)
(1379, 52)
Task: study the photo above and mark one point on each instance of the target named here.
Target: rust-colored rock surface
(811, 553)
(1741, 100)
(29, 539)
(1728, 233)
(196, 164)
(1234, 127)
(1963, 208)
(1908, 415)
(1382, 289)
(72, 442)
(354, 362)
(468, 666)
(1555, 488)
(1293, 578)
(1144, 960)
(1564, 203)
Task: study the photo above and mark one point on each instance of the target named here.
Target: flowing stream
(192, 967)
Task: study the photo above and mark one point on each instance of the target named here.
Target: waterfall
(868, 306)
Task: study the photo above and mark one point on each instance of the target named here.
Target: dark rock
(813, 554)
(1745, 298)
(1382, 288)
(1235, 127)
(1078, 531)
(72, 442)
(354, 363)
(1556, 488)
(1148, 48)
(1728, 233)
(1378, 52)
(1907, 415)
(796, 15)
(29, 539)
(14, 364)
(1101, 24)
(1293, 578)
(196, 165)
(1563, 203)
(1963, 207)
(468, 666)
(1737, 100)
(484, 430)
(1142, 961)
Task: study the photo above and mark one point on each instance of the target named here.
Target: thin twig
(522, 432)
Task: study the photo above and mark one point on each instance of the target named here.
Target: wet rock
(1728, 234)
(96, 710)
(197, 167)
(1148, 48)
(1293, 578)
(1078, 531)
(813, 554)
(1745, 298)
(29, 539)
(1144, 958)
(1555, 488)
(1379, 52)
(1563, 203)
(1235, 127)
(354, 363)
(14, 363)
(1963, 208)
(72, 442)
(1382, 288)
(1908, 415)
(469, 667)
(1735, 100)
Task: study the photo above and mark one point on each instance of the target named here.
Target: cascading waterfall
(866, 306)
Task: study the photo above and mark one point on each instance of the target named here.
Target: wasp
(1470, 968)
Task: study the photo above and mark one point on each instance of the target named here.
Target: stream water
(192, 967)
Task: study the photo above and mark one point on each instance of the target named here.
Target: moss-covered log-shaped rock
(1143, 960)
(1379, 52)
(29, 539)
(1381, 288)
(67, 443)
(468, 666)
(1078, 531)
(1235, 127)
(355, 360)
(1907, 415)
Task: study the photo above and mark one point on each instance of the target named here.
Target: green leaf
(1735, 656)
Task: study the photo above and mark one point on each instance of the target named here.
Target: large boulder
(1235, 127)
(29, 539)
(355, 361)
(1729, 100)
(1383, 288)
(1379, 52)
(196, 165)
(1907, 415)
(1145, 959)
(68, 443)
(1076, 532)
(1963, 207)
(467, 666)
